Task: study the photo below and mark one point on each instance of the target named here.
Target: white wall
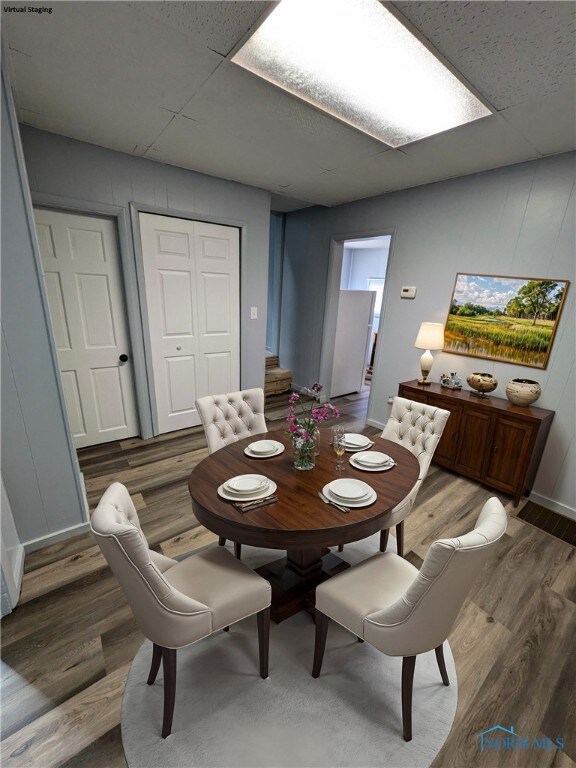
(516, 221)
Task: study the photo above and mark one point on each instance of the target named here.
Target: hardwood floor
(67, 647)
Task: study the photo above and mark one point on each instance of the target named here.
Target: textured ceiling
(153, 79)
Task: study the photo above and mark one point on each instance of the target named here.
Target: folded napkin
(246, 506)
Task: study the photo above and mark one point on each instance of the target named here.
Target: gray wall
(39, 468)
(80, 176)
(517, 221)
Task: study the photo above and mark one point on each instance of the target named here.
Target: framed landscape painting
(509, 319)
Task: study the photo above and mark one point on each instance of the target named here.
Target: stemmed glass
(338, 446)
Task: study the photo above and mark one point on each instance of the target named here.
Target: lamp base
(424, 382)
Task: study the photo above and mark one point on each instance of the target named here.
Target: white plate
(263, 447)
(270, 490)
(353, 440)
(362, 503)
(373, 458)
(246, 484)
(279, 448)
(366, 468)
(349, 490)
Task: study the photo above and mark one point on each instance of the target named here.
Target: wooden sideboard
(487, 439)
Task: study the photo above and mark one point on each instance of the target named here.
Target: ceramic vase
(523, 391)
(482, 383)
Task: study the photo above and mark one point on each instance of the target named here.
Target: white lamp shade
(430, 336)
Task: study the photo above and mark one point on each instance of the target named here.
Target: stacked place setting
(372, 461)
(264, 449)
(356, 442)
(351, 493)
(248, 491)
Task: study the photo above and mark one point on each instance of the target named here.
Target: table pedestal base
(294, 578)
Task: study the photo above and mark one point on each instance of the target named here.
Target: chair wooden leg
(264, 640)
(442, 664)
(238, 550)
(408, 664)
(400, 538)
(225, 629)
(320, 642)
(340, 547)
(221, 541)
(384, 539)
(155, 666)
(169, 666)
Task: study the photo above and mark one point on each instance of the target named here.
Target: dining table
(299, 521)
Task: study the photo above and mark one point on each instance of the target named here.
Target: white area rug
(226, 715)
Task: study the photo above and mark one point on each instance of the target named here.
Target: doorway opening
(360, 306)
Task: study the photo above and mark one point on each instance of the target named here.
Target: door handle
(123, 358)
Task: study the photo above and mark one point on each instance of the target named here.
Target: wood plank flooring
(67, 647)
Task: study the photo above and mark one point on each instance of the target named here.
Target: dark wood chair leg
(384, 539)
(442, 664)
(221, 541)
(340, 547)
(264, 640)
(155, 666)
(238, 550)
(169, 667)
(408, 664)
(400, 538)
(320, 642)
(225, 629)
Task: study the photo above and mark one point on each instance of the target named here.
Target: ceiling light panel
(356, 61)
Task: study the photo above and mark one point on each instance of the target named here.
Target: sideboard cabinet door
(511, 447)
(445, 453)
(472, 451)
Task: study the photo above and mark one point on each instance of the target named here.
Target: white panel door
(83, 283)
(192, 278)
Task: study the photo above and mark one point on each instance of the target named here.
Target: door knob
(123, 358)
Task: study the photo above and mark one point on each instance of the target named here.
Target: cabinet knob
(495, 449)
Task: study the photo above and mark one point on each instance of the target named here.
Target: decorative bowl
(482, 383)
(523, 391)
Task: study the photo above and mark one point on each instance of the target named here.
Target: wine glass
(338, 446)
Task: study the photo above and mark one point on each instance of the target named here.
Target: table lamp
(430, 336)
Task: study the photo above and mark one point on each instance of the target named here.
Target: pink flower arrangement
(302, 425)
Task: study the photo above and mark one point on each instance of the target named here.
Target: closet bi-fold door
(192, 279)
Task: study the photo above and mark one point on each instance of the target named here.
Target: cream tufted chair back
(422, 617)
(418, 427)
(165, 615)
(231, 417)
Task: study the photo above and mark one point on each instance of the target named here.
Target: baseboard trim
(54, 538)
(374, 423)
(554, 506)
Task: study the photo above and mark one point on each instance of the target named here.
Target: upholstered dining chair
(231, 417)
(403, 611)
(177, 603)
(418, 427)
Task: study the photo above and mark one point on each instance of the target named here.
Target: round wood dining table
(299, 521)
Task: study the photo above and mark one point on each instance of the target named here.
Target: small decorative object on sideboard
(451, 380)
(482, 383)
(523, 391)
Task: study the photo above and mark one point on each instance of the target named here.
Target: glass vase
(304, 453)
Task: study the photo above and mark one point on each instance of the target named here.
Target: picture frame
(508, 319)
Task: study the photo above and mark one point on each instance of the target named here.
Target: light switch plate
(253, 313)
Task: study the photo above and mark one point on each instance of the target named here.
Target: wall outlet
(253, 313)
